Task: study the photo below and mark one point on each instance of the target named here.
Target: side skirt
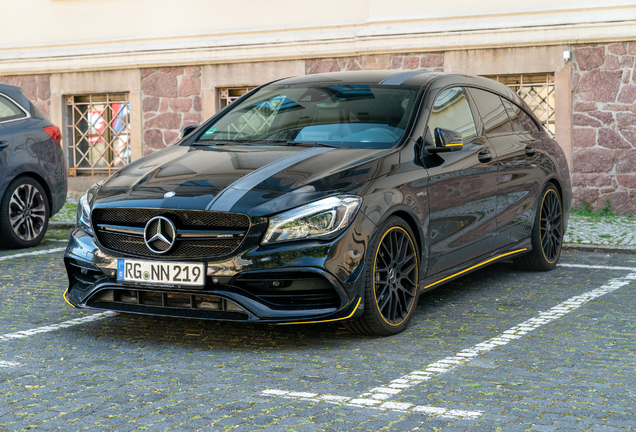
(511, 251)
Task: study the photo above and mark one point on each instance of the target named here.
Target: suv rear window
(9, 110)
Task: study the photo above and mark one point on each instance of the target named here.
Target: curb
(61, 225)
(599, 248)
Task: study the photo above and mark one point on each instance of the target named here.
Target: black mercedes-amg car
(333, 197)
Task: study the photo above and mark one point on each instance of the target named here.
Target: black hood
(255, 180)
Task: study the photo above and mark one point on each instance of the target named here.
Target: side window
(452, 111)
(521, 122)
(492, 112)
(9, 110)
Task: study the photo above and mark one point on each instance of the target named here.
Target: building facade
(127, 81)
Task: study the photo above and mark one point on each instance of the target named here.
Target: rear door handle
(4, 144)
(484, 156)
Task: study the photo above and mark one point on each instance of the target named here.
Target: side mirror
(187, 131)
(446, 140)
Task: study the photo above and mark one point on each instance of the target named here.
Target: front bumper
(299, 282)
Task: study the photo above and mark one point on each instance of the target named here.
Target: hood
(255, 180)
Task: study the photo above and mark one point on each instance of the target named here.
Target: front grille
(203, 222)
(167, 303)
(181, 218)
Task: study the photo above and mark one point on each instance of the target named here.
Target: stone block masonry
(430, 62)
(171, 100)
(36, 88)
(604, 126)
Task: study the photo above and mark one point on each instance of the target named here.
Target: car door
(9, 112)
(462, 186)
(518, 179)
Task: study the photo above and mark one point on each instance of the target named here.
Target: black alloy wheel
(547, 233)
(391, 289)
(24, 214)
(551, 226)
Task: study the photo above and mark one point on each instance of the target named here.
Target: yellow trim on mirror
(475, 266)
(454, 145)
(329, 320)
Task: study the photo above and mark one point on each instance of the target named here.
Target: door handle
(4, 144)
(530, 151)
(484, 156)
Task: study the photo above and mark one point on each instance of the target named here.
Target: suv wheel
(24, 214)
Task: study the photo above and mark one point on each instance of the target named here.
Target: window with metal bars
(537, 90)
(98, 135)
(229, 95)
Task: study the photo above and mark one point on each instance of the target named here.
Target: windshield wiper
(312, 144)
(210, 143)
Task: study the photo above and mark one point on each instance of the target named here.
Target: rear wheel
(547, 233)
(24, 214)
(391, 288)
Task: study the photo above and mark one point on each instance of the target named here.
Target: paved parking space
(499, 348)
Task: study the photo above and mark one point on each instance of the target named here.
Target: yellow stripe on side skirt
(329, 320)
(475, 266)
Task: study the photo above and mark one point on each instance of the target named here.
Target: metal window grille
(229, 95)
(98, 133)
(537, 90)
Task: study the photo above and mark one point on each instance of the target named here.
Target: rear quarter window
(521, 121)
(9, 110)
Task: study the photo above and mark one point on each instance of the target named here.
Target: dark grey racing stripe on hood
(234, 192)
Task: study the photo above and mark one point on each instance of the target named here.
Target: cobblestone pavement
(610, 231)
(499, 349)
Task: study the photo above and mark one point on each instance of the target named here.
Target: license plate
(161, 273)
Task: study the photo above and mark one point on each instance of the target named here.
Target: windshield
(352, 115)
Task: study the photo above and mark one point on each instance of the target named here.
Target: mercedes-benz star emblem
(160, 234)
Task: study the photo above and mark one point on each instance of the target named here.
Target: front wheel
(24, 214)
(391, 286)
(547, 233)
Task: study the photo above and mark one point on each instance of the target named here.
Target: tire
(17, 229)
(547, 233)
(392, 270)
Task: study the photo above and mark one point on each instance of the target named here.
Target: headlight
(322, 219)
(84, 209)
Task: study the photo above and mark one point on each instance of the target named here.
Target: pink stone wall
(429, 61)
(604, 126)
(37, 88)
(171, 100)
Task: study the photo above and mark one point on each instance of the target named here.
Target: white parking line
(598, 267)
(377, 396)
(392, 406)
(65, 324)
(40, 252)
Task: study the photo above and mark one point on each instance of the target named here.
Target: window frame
(10, 119)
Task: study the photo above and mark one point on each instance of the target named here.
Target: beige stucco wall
(194, 32)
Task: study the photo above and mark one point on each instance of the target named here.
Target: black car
(32, 170)
(334, 197)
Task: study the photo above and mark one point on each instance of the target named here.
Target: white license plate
(161, 273)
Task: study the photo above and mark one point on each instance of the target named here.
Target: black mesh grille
(182, 249)
(191, 219)
(182, 219)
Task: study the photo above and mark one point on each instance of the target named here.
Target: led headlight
(84, 209)
(322, 219)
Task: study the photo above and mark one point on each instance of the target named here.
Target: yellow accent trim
(540, 210)
(329, 320)
(64, 297)
(417, 273)
(475, 266)
(454, 145)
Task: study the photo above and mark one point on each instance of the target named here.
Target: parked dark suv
(32, 170)
(334, 197)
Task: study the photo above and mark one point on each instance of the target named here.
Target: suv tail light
(55, 134)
